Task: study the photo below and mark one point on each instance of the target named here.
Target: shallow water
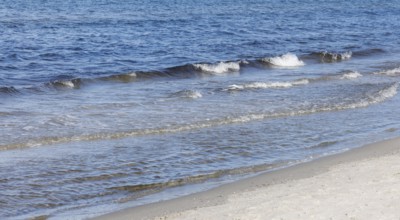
(104, 103)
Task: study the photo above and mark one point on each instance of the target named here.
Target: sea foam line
(288, 84)
(267, 85)
(369, 99)
(389, 72)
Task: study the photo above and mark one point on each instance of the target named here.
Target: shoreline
(218, 202)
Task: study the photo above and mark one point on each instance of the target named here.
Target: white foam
(267, 85)
(351, 75)
(346, 55)
(301, 82)
(193, 94)
(132, 74)
(385, 94)
(286, 60)
(390, 72)
(260, 85)
(218, 68)
(67, 83)
(369, 99)
(244, 62)
(378, 97)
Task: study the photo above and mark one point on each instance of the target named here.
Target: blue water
(105, 103)
(57, 39)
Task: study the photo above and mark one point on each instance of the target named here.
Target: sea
(108, 104)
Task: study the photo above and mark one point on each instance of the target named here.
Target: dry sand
(359, 184)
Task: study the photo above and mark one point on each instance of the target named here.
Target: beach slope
(363, 183)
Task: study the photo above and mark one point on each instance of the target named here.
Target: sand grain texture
(367, 189)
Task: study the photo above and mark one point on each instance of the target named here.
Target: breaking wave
(368, 99)
(374, 98)
(286, 60)
(198, 70)
(334, 57)
(218, 68)
(184, 71)
(389, 72)
(73, 83)
(351, 75)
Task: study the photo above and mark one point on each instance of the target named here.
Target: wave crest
(127, 77)
(218, 68)
(389, 72)
(73, 83)
(286, 60)
(351, 75)
(334, 57)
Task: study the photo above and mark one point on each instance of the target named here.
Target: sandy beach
(363, 183)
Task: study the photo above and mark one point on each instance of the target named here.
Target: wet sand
(363, 183)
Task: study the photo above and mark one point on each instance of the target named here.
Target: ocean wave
(374, 98)
(389, 72)
(267, 85)
(281, 85)
(334, 57)
(370, 98)
(286, 60)
(73, 83)
(218, 68)
(351, 75)
(185, 71)
(126, 77)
